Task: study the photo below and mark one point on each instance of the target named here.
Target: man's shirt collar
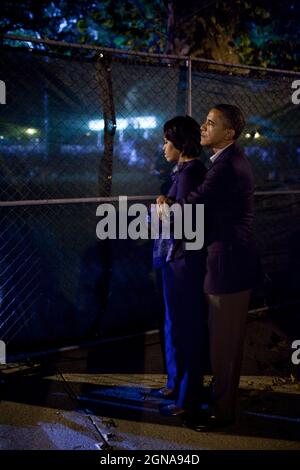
(214, 157)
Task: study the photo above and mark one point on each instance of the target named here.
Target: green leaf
(81, 25)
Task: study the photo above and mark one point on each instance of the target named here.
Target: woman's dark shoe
(172, 410)
(163, 393)
(166, 392)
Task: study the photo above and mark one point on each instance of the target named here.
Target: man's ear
(230, 134)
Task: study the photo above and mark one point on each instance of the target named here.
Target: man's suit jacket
(227, 195)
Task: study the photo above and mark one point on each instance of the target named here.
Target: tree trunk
(170, 46)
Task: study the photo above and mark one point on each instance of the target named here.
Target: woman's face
(171, 153)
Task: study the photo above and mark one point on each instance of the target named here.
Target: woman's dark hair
(233, 117)
(184, 133)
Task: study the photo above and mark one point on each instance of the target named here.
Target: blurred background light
(139, 122)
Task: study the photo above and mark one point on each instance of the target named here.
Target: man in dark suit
(232, 267)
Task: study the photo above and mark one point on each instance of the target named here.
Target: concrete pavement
(96, 398)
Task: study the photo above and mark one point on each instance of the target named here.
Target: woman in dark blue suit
(183, 274)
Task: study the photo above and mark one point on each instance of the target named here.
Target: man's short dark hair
(233, 116)
(184, 133)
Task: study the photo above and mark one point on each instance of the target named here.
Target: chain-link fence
(81, 123)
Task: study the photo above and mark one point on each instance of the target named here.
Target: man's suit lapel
(224, 155)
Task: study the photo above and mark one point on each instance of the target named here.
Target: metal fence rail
(83, 125)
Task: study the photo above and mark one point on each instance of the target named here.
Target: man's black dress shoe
(206, 424)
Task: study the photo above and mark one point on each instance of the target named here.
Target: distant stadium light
(96, 125)
(140, 122)
(248, 135)
(147, 122)
(122, 124)
(31, 131)
(256, 135)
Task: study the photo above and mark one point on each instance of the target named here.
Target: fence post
(104, 79)
(103, 247)
(189, 91)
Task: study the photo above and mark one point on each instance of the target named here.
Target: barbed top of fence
(52, 42)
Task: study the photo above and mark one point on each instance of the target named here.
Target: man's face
(214, 132)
